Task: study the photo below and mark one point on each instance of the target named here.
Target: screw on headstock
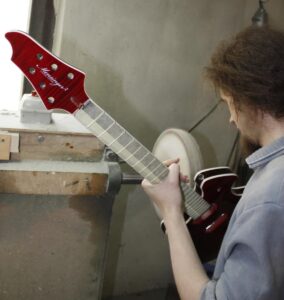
(51, 100)
(42, 85)
(54, 67)
(70, 76)
(32, 70)
(39, 56)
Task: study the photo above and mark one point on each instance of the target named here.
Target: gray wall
(144, 60)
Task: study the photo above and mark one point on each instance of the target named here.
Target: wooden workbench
(54, 210)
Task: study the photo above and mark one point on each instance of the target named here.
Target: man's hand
(166, 195)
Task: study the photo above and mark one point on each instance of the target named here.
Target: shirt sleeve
(254, 265)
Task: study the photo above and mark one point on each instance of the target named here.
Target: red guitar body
(216, 187)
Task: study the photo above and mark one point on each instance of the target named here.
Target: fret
(163, 173)
(134, 152)
(125, 139)
(141, 153)
(193, 213)
(92, 109)
(146, 173)
(156, 168)
(202, 207)
(94, 121)
(190, 207)
(105, 121)
(105, 131)
(146, 167)
(195, 198)
(130, 159)
(115, 140)
(152, 178)
(190, 193)
(116, 131)
(150, 164)
(154, 164)
(190, 190)
(198, 210)
(156, 180)
(123, 148)
(154, 174)
(133, 146)
(139, 161)
(195, 203)
(198, 206)
(148, 159)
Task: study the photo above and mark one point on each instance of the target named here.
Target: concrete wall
(144, 60)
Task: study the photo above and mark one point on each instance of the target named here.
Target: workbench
(55, 210)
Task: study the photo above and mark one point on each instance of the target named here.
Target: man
(248, 72)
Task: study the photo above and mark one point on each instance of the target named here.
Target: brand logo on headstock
(52, 80)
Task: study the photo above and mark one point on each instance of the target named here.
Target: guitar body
(215, 186)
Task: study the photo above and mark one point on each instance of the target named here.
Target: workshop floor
(159, 294)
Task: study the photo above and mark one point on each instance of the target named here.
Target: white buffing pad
(177, 143)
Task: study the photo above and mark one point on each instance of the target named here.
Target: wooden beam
(52, 183)
(5, 144)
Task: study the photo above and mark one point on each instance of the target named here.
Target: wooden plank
(5, 144)
(64, 147)
(64, 139)
(15, 140)
(52, 183)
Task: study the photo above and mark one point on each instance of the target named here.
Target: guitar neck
(107, 130)
(121, 142)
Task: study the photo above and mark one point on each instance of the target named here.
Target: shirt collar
(265, 154)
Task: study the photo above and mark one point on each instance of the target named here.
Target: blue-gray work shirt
(250, 264)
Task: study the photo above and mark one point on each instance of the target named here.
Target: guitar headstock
(58, 84)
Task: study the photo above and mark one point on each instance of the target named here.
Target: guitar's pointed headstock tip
(16, 38)
(10, 35)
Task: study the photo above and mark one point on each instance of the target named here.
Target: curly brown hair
(250, 67)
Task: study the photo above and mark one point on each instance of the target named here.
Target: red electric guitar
(208, 206)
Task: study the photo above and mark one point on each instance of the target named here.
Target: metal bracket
(33, 110)
(111, 156)
(114, 178)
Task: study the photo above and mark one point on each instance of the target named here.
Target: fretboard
(120, 141)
